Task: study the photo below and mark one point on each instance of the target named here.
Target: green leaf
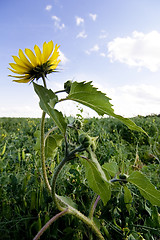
(97, 180)
(48, 99)
(127, 198)
(51, 145)
(89, 96)
(111, 167)
(68, 201)
(147, 189)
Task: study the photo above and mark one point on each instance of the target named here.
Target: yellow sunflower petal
(22, 80)
(15, 71)
(18, 68)
(19, 61)
(31, 56)
(38, 54)
(47, 50)
(55, 64)
(24, 59)
(55, 54)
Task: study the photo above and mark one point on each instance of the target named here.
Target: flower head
(33, 66)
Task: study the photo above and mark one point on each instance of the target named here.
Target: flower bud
(85, 140)
(67, 86)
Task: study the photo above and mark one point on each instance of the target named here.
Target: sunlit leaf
(48, 99)
(146, 188)
(96, 177)
(86, 94)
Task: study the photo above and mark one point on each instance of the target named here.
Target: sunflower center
(40, 70)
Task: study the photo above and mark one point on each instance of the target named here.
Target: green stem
(43, 153)
(87, 221)
(43, 146)
(49, 132)
(72, 210)
(57, 171)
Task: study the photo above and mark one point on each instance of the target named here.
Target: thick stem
(87, 221)
(53, 219)
(57, 171)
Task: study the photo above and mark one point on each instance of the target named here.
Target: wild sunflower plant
(29, 67)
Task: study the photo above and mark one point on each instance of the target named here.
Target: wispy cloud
(79, 21)
(81, 35)
(48, 7)
(139, 50)
(103, 34)
(95, 48)
(93, 16)
(57, 23)
(63, 58)
(102, 54)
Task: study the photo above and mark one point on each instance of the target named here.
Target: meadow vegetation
(26, 205)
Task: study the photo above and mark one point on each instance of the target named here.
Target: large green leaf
(147, 189)
(51, 144)
(48, 99)
(96, 177)
(86, 94)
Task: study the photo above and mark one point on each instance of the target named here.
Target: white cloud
(63, 58)
(95, 48)
(93, 16)
(57, 23)
(102, 54)
(81, 35)
(48, 7)
(57, 19)
(133, 100)
(139, 50)
(79, 21)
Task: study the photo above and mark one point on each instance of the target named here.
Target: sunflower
(36, 65)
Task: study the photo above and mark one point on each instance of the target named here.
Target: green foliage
(25, 204)
(88, 95)
(146, 188)
(96, 177)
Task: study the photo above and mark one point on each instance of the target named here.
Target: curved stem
(87, 221)
(93, 206)
(49, 132)
(57, 171)
(53, 219)
(60, 91)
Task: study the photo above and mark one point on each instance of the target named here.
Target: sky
(113, 43)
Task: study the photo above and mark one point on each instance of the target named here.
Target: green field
(25, 205)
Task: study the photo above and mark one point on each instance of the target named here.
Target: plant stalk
(43, 146)
(53, 219)
(93, 206)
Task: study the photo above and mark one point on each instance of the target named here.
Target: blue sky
(115, 44)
